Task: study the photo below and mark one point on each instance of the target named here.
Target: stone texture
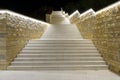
(74, 17)
(59, 75)
(48, 18)
(2, 41)
(106, 36)
(105, 27)
(15, 31)
(86, 24)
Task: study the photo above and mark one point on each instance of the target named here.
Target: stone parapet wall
(86, 24)
(74, 17)
(103, 27)
(15, 31)
(2, 41)
(107, 35)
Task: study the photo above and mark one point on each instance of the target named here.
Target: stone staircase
(59, 51)
(59, 55)
(60, 48)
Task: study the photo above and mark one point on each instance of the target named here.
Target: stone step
(61, 41)
(57, 63)
(64, 58)
(61, 45)
(67, 38)
(62, 37)
(57, 38)
(62, 51)
(58, 55)
(58, 52)
(57, 30)
(58, 48)
(57, 59)
(86, 54)
(61, 34)
(60, 67)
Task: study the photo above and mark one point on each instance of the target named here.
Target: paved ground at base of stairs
(59, 75)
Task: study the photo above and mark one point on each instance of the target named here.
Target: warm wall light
(76, 12)
(108, 7)
(88, 11)
(23, 16)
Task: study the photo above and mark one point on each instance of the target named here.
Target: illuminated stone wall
(15, 31)
(86, 24)
(103, 27)
(107, 35)
(47, 18)
(74, 17)
(2, 41)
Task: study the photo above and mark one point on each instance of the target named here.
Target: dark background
(38, 8)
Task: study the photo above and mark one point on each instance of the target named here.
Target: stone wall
(74, 17)
(15, 31)
(107, 35)
(86, 24)
(47, 18)
(103, 27)
(2, 41)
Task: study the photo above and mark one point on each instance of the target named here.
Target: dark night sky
(38, 8)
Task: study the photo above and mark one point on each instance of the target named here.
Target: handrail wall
(15, 31)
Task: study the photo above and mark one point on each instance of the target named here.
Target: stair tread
(53, 61)
(60, 58)
(58, 48)
(61, 54)
(82, 51)
(62, 66)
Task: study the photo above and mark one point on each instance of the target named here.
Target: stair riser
(59, 48)
(63, 37)
(59, 51)
(82, 54)
(58, 60)
(57, 68)
(58, 55)
(62, 57)
(57, 63)
(58, 42)
(61, 41)
(61, 45)
(70, 53)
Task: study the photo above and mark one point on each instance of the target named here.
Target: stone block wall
(86, 24)
(15, 31)
(107, 35)
(2, 41)
(47, 18)
(74, 17)
(103, 28)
